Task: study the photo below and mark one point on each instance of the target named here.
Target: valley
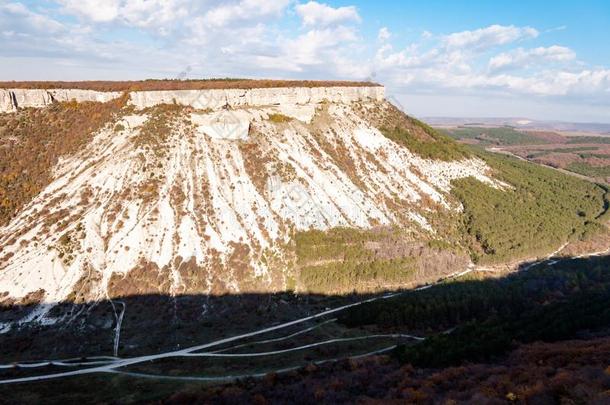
(191, 367)
(584, 154)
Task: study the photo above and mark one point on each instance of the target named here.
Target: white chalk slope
(224, 192)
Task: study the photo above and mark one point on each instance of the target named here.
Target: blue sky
(535, 59)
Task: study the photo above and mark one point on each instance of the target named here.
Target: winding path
(115, 363)
(124, 362)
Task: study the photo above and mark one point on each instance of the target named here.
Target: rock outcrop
(211, 198)
(12, 99)
(214, 99)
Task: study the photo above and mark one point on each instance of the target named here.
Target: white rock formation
(213, 99)
(205, 195)
(12, 99)
(6, 101)
(228, 125)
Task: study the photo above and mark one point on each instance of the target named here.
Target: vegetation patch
(490, 315)
(69, 243)
(480, 341)
(589, 139)
(495, 136)
(545, 210)
(440, 148)
(155, 132)
(415, 135)
(33, 140)
(180, 84)
(344, 260)
(279, 118)
(589, 170)
(544, 152)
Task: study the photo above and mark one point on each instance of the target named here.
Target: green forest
(474, 320)
(339, 260)
(494, 136)
(537, 212)
(543, 210)
(589, 170)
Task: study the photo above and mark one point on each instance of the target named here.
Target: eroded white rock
(214, 99)
(198, 197)
(12, 99)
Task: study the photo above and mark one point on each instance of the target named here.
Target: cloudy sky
(536, 59)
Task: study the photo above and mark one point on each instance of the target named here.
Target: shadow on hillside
(157, 323)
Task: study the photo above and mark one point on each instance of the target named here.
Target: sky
(532, 59)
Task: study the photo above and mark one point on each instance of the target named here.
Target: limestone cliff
(12, 99)
(208, 198)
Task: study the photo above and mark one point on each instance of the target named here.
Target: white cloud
(314, 48)
(521, 58)
(162, 15)
(251, 38)
(410, 57)
(228, 13)
(485, 38)
(314, 13)
(384, 34)
(153, 13)
(157, 16)
(451, 65)
(94, 10)
(18, 17)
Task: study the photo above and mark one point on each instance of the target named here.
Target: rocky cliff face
(256, 97)
(207, 199)
(12, 99)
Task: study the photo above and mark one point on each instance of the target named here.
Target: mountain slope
(162, 200)
(325, 190)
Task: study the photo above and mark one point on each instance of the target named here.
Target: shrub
(279, 118)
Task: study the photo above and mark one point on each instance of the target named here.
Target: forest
(494, 136)
(544, 210)
(476, 320)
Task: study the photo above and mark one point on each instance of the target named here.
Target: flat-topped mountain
(203, 191)
(169, 188)
(155, 85)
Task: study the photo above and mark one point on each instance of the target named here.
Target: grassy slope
(589, 170)
(436, 146)
(338, 260)
(545, 209)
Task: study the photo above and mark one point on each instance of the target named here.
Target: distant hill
(521, 123)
